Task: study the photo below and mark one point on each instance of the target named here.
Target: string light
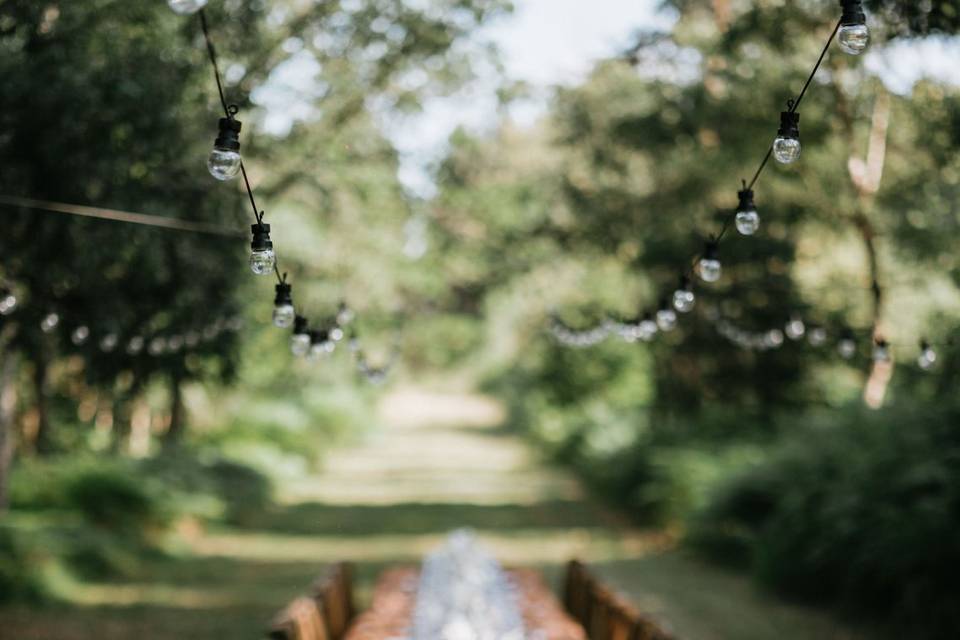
(49, 322)
(108, 343)
(881, 350)
(709, 266)
(283, 312)
(262, 258)
(224, 160)
(186, 7)
(666, 316)
(8, 302)
(300, 340)
(854, 34)
(647, 328)
(684, 299)
(817, 336)
(795, 328)
(135, 345)
(747, 218)
(928, 357)
(786, 146)
(80, 335)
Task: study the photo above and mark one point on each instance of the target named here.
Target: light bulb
(881, 351)
(853, 35)
(336, 334)
(80, 335)
(262, 258)
(927, 358)
(191, 340)
(135, 346)
(847, 347)
(283, 312)
(795, 329)
(773, 339)
(817, 336)
(49, 322)
(224, 160)
(8, 302)
(175, 343)
(157, 346)
(108, 342)
(666, 317)
(747, 219)
(354, 344)
(345, 315)
(854, 38)
(186, 7)
(300, 341)
(710, 268)
(786, 146)
(647, 328)
(684, 299)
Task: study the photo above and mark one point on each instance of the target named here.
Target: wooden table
(391, 612)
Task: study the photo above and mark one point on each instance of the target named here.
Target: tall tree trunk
(174, 434)
(44, 443)
(8, 403)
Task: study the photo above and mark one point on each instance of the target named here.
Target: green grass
(391, 500)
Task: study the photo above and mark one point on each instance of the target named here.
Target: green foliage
(861, 510)
(22, 562)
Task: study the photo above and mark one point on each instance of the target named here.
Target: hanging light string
(230, 111)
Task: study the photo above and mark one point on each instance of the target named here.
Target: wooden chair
(300, 620)
(602, 613)
(333, 593)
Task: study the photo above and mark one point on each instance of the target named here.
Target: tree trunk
(44, 442)
(8, 402)
(174, 434)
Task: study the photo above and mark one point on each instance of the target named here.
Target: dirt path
(436, 463)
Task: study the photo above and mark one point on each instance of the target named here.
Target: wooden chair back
(602, 613)
(333, 593)
(300, 620)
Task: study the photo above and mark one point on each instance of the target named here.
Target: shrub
(21, 567)
(863, 512)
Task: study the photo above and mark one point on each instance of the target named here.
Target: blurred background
(462, 174)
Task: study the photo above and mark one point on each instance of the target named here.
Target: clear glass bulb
(773, 339)
(646, 329)
(927, 358)
(157, 346)
(710, 269)
(300, 344)
(7, 304)
(223, 164)
(80, 335)
(684, 300)
(817, 336)
(795, 329)
(135, 345)
(49, 323)
(186, 7)
(261, 262)
(109, 342)
(175, 343)
(667, 319)
(853, 38)
(336, 334)
(786, 150)
(881, 352)
(283, 316)
(748, 222)
(847, 348)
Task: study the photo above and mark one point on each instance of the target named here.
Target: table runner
(390, 616)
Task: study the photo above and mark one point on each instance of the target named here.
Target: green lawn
(390, 500)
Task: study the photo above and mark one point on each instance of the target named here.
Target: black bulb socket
(789, 125)
(228, 138)
(319, 336)
(685, 284)
(665, 304)
(746, 200)
(852, 13)
(261, 237)
(301, 326)
(711, 252)
(284, 295)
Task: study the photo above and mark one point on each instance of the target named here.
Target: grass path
(438, 462)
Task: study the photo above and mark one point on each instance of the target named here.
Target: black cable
(230, 112)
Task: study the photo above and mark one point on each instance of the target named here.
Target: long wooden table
(390, 616)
